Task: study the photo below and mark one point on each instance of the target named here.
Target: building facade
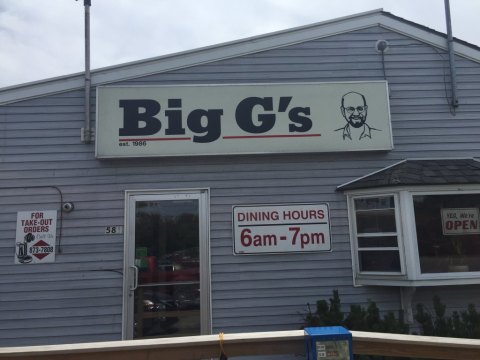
(230, 186)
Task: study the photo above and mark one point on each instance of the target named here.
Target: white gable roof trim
(232, 49)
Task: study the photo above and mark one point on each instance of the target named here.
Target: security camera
(67, 207)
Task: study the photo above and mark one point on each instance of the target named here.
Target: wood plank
(244, 344)
(426, 347)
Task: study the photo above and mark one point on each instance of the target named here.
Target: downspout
(86, 131)
(451, 57)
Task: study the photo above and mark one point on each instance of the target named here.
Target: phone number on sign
(41, 250)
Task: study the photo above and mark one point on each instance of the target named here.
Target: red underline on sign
(156, 139)
(270, 136)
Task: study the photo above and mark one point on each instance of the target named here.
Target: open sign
(460, 221)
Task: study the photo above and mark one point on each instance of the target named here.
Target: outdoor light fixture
(381, 46)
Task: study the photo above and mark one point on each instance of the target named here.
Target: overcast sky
(41, 39)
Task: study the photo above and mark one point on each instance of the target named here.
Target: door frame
(131, 196)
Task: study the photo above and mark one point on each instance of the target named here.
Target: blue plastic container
(328, 343)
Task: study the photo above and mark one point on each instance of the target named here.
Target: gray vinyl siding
(79, 297)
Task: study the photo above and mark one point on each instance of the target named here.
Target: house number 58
(113, 230)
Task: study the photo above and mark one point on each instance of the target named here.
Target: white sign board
(260, 229)
(461, 221)
(36, 237)
(142, 121)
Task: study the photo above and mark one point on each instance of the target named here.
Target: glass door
(167, 265)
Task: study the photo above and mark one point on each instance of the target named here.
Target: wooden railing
(245, 344)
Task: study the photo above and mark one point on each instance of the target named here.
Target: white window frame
(398, 234)
(411, 274)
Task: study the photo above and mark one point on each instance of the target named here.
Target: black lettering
(211, 128)
(174, 118)
(301, 123)
(140, 111)
(244, 116)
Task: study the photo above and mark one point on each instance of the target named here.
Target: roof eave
(227, 50)
(188, 58)
(347, 187)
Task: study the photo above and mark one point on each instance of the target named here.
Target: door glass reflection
(167, 300)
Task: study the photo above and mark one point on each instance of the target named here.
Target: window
(411, 237)
(448, 232)
(376, 231)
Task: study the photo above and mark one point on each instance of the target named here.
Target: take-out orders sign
(36, 236)
(260, 229)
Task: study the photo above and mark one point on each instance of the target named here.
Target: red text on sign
(461, 224)
(295, 236)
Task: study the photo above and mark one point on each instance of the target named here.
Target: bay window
(414, 237)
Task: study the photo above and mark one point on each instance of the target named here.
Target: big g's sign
(240, 119)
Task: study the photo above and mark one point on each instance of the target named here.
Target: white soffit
(230, 50)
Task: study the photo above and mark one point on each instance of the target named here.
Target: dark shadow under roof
(420, 172)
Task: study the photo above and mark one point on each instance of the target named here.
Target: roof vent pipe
(86, 134)
(451, 57)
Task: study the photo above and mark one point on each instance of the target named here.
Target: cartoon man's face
(354, 109)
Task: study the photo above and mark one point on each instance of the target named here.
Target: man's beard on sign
(356, 120)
